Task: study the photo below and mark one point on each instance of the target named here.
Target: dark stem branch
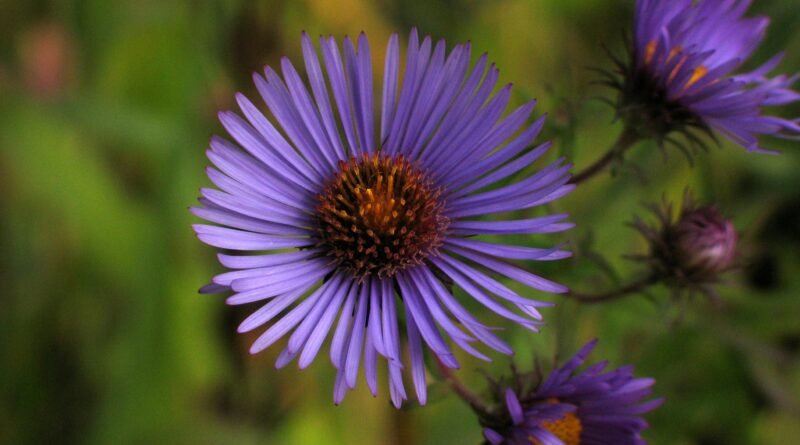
(614, 294)
(462, 391)
(623, 143)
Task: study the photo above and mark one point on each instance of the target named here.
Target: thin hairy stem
(462, 391)
(614, 294)
(625, 141)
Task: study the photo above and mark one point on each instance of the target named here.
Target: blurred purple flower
(590, 407)
(364, 226)
(682, 74)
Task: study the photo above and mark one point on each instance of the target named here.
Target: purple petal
(417, 363)
(323, 327)
(285, 324)
(356, 341)
(390, 75)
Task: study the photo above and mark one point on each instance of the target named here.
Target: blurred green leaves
(103, 338)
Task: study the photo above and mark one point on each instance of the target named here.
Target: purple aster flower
(683, 74)
(372, 228)
(589, 407)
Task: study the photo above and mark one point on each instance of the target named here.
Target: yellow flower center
(649, 51)
(567, 428)
(697, 74)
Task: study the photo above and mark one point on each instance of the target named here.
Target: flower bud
(704, 242)
(689, 253)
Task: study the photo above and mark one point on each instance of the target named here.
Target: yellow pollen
(567, 428)
(649, 51)
(675, 70)
(674, 52)
(697, 74)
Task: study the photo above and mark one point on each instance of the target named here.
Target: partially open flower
(571, 407)
(683, 75)
(692, 251)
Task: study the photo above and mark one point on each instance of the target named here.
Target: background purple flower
(361, 225)
(571, 407)
(686, 55)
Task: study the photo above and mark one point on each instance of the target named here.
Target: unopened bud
(692, 251)
(704, 242)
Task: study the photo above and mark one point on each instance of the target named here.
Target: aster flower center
(645, 101)
(379, 215)
(567, 429)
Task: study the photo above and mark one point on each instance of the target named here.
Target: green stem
(625, 141)
(462, 391)
(614, 294)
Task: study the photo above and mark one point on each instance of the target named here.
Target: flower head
(570, 407)
(683, 74)
(692, 251)
(373, 227)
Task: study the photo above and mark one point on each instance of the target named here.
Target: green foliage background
(106, 108)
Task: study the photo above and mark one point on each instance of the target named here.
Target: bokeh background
(106, 108)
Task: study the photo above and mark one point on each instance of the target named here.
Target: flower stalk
(615, 294)
(627, 139)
